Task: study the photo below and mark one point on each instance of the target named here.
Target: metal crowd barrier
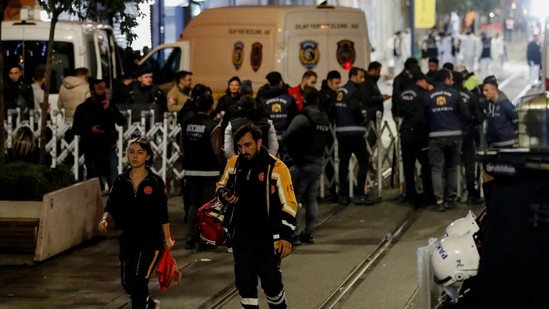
(62, 146)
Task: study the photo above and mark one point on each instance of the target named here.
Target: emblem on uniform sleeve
(238, 55)
(309, 54)
(441, 101)
(346, 53)
(261, 176)
(273, 189)
(148, 190)
(257, 56)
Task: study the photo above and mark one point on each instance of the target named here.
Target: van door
(324, 40)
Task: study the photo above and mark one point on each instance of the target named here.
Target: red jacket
(297, 94)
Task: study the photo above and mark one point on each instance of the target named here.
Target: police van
(76, 44)
(251, 41)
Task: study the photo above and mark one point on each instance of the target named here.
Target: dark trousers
(306, 182)
(347, 146)
(468, 149)
(444, 155)
(138, 260)
(415, 146)
(198, 191)
(104, 163)
(253, 260)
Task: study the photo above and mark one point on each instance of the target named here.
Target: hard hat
(462, 226)
(454, 260)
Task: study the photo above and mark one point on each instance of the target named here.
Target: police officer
(281, 106)
(144, 96)
(470, 137)
(446, 112)
(350, 131)
(202, 159)
(306, 139)
(414, 139)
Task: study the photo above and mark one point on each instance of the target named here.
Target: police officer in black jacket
(306, 139)
(202, 159)
(350, 131)
(446, 113)
(470, 137)
(414, 139)
(282, 108)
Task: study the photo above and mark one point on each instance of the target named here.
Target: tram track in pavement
(230, 291)
(360, 272)
(355, 277)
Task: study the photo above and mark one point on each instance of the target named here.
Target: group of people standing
(441, 115)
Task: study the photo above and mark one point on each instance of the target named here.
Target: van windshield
(31, 55)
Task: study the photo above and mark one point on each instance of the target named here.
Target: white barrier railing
(63, 147)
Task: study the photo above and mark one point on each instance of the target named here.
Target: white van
(77, 44)
(252, 41)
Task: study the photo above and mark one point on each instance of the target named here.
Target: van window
(105, 60)
(165, 64)
(31, 54)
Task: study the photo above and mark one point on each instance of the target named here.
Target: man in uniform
(446, 112)
(202, 159)
(282, 108)
(350, 131)
(414, 139)
(306, 140)
(260, 217)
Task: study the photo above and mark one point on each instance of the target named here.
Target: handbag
(166, 271)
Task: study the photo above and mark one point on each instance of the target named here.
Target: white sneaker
(156, 304)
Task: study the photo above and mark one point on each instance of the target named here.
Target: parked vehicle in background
(252, 41)
(77, 44)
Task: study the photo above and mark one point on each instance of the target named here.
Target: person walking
(202, 160)
(260, 220)
(94, 121)
(306, 140)
(533, 55)
(138, 203)
(446, 112)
